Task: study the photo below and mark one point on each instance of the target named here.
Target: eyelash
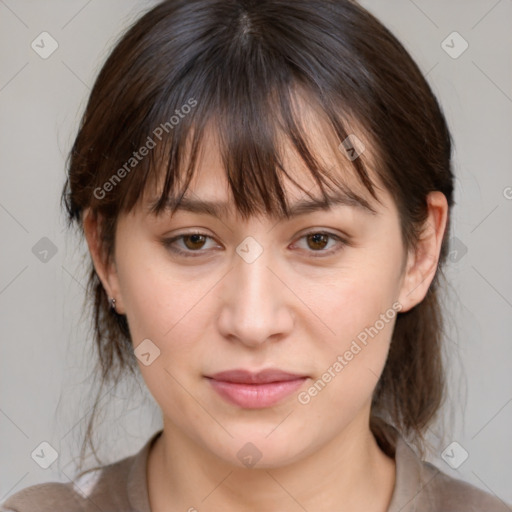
(168, 243)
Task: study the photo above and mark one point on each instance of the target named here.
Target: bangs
(244, 90)
(252, 135)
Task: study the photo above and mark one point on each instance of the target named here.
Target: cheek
(159, 299)
(355, 297)
(163, 306)
(350, 363)
(357, 307)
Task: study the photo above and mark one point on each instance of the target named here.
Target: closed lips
(242, 376)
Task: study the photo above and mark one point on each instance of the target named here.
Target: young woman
(265, 189)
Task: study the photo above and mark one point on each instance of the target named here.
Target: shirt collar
(137, 485)
(408, 478)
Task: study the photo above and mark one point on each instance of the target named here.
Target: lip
(255, 390)
(242, 376)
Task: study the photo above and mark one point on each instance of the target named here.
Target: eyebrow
(220, 209)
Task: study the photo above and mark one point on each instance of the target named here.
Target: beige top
(122, 487)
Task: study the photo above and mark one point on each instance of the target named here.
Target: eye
(194, 242)
(318, 240)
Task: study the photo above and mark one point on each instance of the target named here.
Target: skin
(287, 309)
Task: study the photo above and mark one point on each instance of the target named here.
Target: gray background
(45, 351)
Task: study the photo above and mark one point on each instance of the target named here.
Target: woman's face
(255, 295)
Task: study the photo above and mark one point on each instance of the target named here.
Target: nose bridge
(254, 306)
(255, 280)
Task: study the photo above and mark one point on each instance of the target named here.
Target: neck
(349, 473)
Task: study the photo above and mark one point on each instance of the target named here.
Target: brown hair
(238, 63)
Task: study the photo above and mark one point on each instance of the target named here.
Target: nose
(256, 303)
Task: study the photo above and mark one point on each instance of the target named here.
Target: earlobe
(423, 260)
(105, 269)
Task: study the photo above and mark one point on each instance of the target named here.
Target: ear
(422, 262)
(105, 267)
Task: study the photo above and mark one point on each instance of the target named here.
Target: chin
(261, 448)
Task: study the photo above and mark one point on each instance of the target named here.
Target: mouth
(255, 390)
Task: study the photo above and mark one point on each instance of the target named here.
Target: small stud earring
(113, 304)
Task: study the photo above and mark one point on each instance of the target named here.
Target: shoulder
(42, 497)
(420, 485)
(118, 486)
(444, 492)
(97, 489)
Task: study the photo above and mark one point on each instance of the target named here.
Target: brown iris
(195, 239)
(318, 239)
